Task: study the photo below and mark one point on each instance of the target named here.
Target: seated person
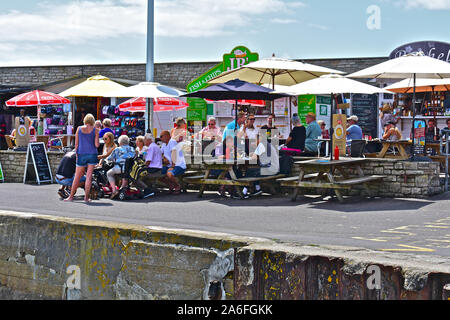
(108, 148)
(391, 132)
(153, 161)
(174, 163)
(119, 156)
(106, 128)
(65, 174)
(296, 139)
(432, 133)
(141, 149)
(446, 129)
(313, 131)
(180, 130)
(323, 127)
(269, 165)
(212, 131)
(354, 132)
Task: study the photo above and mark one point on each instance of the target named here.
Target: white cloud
(317, 26)
(427, 4)
(85, 22)
(283, 21)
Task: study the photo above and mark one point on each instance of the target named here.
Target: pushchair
(133, 170)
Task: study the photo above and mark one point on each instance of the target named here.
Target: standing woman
(86, 145)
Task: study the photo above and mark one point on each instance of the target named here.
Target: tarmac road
(412, 226)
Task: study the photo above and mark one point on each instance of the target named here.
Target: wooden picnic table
(321, 174)
(227, 167)
(400, 145)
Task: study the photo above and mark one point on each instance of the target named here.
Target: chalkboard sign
(39, 160)
(364, 106)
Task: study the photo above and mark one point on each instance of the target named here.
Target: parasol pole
(235, 130)
(331, 127)
(414, 116)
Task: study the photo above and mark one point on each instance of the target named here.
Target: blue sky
(114, 31)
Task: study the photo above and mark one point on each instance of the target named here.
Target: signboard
(197, 110)
(433, 49)
(39, 161)
(238, 57)
(340, 133)
(2, 178)
(364, 106)
(419, 137)
(306, 104)
(22, 132)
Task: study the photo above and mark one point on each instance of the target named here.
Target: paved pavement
(412, 226)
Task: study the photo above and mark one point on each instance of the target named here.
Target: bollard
(446, 292)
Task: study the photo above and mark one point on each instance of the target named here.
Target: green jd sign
(237, 58)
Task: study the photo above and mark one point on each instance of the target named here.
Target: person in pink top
(211, 131)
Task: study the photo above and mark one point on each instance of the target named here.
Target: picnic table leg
(384, 150)
(233, 177)
(336, 191)
(202, 187)
(366, 184)
(402, 151)
(300, 178)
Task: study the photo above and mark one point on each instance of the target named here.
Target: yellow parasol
(97, 86)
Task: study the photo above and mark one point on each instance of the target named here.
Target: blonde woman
(179, 133)
(108, 147)
(141, 148)
(86, 144)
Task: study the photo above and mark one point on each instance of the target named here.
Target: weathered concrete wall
(118, 261)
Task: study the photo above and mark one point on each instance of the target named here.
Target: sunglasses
(251, 119)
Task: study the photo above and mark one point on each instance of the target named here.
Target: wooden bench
(239, 182)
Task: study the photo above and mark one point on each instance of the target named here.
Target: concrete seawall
(43, 257)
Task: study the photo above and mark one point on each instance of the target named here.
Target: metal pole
(331, 127)
(149, 75)
(414, 118)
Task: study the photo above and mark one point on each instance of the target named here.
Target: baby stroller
(133, 171)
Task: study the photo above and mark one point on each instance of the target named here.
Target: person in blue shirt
(106, 128)
(354, 132)
(119, 156)
(313, 131)
(229, 129)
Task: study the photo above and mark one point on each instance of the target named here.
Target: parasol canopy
(161, 104)
(331, 83)
(408, 66)
(275, 71)
(36, 98)
(96, 86)
(151, 90)
(422, 85)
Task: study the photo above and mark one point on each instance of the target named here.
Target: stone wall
(177, 74)
(43, 257)
(403, 179)
(13, 164)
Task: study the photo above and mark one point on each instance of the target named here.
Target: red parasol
(36, 98)
(161, 104)
(258, 103)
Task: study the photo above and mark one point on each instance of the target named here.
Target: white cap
(354, 118)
